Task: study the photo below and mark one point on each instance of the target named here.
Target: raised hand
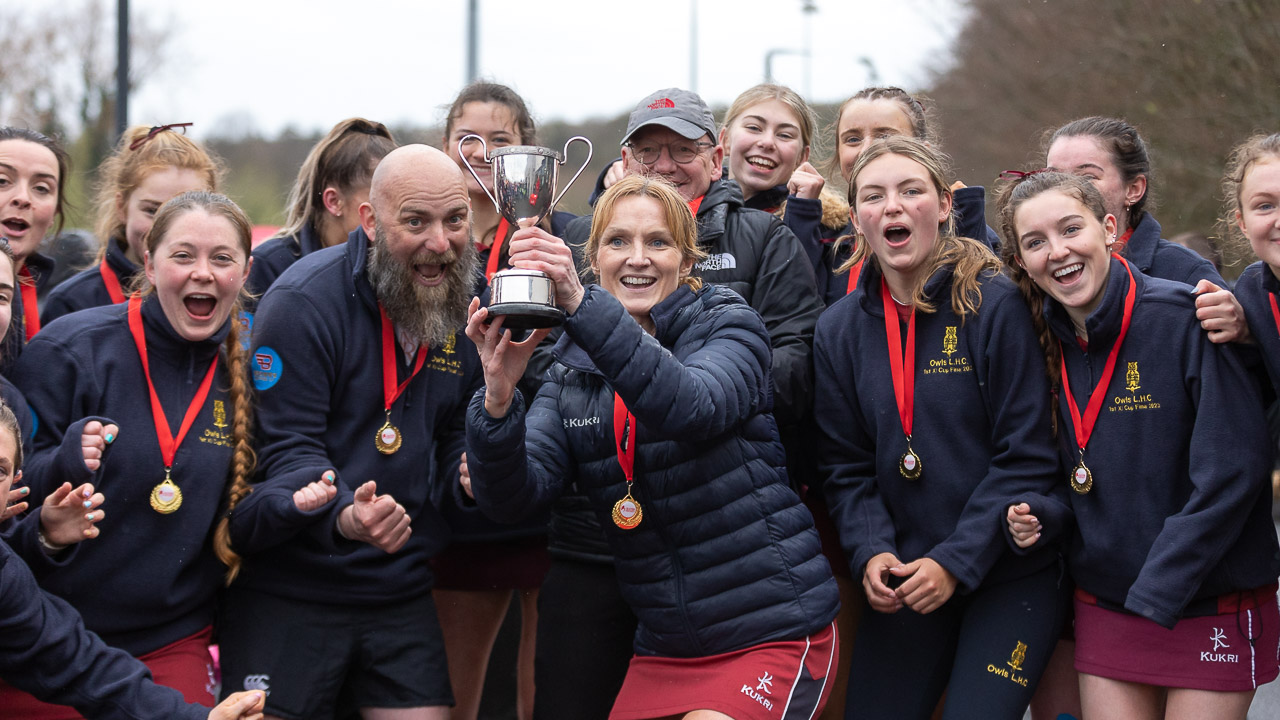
(94, 441)
(503, 360)
(806, 182)
(375, 519)
(533, 248)
(70, 515)
(1220, 314)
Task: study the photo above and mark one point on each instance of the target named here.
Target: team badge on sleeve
(267, 367)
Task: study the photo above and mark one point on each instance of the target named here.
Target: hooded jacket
(87, 289)
(725, 556)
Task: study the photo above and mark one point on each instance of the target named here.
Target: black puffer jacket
(725, 556)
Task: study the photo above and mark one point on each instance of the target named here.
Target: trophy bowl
(524, 192)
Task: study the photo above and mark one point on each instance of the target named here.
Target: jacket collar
(117, 260)
(1141, 247)
(869, 286)
(723, 196)
(769, 200)
(307, 240)
(671, 318)
(358, 257)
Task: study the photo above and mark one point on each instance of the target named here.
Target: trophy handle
(569, 184)
(463, 156)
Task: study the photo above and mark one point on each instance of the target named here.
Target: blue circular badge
(267, 367)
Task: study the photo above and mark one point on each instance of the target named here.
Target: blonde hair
(243, 458)
(805, 118)
(680, 221)
(1252, 151)
(121, 173)
(971, 260)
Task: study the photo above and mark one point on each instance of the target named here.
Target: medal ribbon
(1275, 311)
(495, 250)
(389, 389)
(168, 443)
(902, 367)
(1084, 426)
(624, 427)
(30, 303)
(111, 281)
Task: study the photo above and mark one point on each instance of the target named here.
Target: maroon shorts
(1236, 650)
(785, 680)
(184, 665)
(515, 564)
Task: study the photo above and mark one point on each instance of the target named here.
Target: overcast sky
(309, 63)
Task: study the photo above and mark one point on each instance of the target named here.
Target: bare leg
(470, 621)
(1107, 699)
(1187, 704)
(706, 715)
(422, 713)
(1059, 688)
(524, 659)
(847, 626)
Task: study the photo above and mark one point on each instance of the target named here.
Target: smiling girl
(1174, 554)
(149, 166)
(167, 367)
(934, 412)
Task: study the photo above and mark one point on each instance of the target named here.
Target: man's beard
(428, 314)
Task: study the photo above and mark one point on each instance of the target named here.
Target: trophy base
(527, 316)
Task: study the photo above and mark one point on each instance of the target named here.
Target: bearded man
(362, 376)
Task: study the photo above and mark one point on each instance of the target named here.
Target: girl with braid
(168, 369)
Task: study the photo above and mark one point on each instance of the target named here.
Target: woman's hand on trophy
(503, 360)
(535, 249)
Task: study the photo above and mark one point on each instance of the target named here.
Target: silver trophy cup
(524, 192)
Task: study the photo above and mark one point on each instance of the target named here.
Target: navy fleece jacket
(1180, 509)
(317, 365)
(86, 289)
(981, 429)
(148, 579)
(46, 651)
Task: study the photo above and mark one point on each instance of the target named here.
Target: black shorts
(317, 660)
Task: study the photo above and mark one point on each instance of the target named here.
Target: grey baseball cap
(679, 110)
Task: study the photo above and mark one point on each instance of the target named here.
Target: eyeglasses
(680, 153)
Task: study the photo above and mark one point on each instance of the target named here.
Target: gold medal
(909, 464)
(166, 497)
(627, 513)
(388, 440)
(1081, 478)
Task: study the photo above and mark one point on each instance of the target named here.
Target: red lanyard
(495, 250)
(1084, 427)
(902, 368)
(1275, 311)
(389, 389)
(854, 273)
(624, 430)
(168, 443)
(111, 281)
(30, 303)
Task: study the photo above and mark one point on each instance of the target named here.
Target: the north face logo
(660, 104)
(717, 261)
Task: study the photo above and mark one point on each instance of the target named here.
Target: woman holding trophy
(658, 405)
